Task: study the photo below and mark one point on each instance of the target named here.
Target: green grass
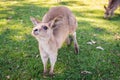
(19, 52)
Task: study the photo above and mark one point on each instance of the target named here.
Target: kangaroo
(112, 6)
(54, 29)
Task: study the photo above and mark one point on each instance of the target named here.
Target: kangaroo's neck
(48, 43)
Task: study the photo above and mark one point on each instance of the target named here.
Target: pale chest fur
(48, 47)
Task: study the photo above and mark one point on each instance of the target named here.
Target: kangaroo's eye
(45, 27)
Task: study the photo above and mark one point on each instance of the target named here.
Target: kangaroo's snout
(36, 31)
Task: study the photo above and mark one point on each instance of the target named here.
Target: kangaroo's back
(55, 12)
(113, 3)
(67, 17)
(65, 25)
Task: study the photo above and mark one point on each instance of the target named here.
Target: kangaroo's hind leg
(76, 46)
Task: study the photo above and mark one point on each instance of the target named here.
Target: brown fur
(60, 23)
(66, 24)
(112, 6)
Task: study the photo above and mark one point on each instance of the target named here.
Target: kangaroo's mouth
(36, 33)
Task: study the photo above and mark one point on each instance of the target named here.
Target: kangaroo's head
(42, 30)
(108, 12)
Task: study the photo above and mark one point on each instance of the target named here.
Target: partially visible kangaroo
(54, 29)
(112, 6)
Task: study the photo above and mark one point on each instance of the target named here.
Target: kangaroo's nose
(35, 30)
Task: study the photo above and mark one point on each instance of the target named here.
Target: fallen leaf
(86, 72)
(117, 36)
(94, 35)
(91, 42)
(37, 56)
(100, 48)
(8, 76)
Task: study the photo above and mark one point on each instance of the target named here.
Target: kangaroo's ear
(52, 22)
(105, 7)
(34, 21)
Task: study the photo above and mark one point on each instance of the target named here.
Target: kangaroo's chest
(48, 47)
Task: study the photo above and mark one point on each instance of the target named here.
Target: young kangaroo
(54, 29)
(112, 6)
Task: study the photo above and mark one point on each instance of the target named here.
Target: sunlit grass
(19, 54)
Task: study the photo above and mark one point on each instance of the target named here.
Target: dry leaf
(86, 72)
(8, 76)
(117, 36)
(91, 42)
(100, 48)
(37, 56)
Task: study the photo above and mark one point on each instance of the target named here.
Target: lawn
(19, 54)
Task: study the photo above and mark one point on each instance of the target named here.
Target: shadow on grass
(91, 14)
(115, 18)
(18, 57)
(70, 3)
(23, 12)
